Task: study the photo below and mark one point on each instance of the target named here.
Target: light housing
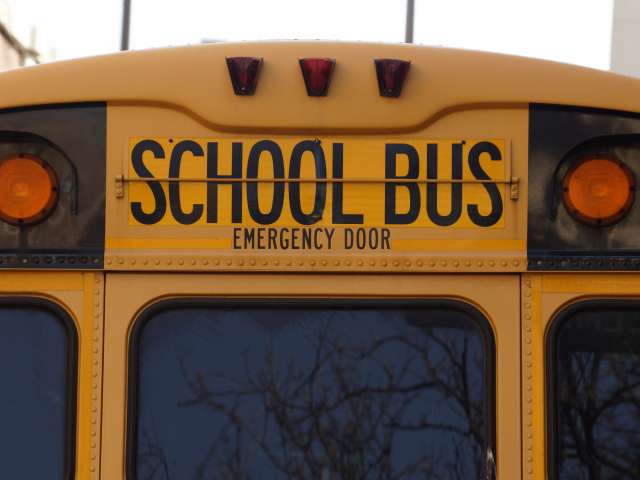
(391, 74)
(598, 190)
(244, 74)
(28, 189)
(317, 75)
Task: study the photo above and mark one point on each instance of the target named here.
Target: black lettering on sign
(174, 187)
(494, 194)
(320, 198)
(236, 187)
(278, 187)
(391, 216)
(367, 238)
(338, 216)
(432, 188)
(156, 188)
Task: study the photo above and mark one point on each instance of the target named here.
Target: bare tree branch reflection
(600, 412)
(404, 406)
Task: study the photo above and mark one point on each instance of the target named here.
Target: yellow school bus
(312, 260)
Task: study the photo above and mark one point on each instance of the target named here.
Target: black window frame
(551, 372)
(198, 302)
(71, 368)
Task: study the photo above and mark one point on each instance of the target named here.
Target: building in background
(625, 37)
(13, 53)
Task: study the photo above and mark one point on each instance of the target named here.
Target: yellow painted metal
(363, 182)
(81, 295)
(195, 80)
(419, 246)
(543, 297)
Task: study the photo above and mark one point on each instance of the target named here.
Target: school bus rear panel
(199, 234)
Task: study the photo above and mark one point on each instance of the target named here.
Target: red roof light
(391, 74)
(244, 74)
(317, 73)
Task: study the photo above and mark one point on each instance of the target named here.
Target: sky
(572, 31)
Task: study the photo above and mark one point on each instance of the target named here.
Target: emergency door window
(596, 361)
(308, 392)
(37, 348)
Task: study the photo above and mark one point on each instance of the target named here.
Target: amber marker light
(599, 191)
(28, 189)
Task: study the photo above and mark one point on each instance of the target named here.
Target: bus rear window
(37, 355)
(596, 393)
(256, 390)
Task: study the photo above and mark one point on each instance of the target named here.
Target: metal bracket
(120, 186)
(514, 190)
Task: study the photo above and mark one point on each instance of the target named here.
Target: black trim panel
(558, 137)
(72, 139)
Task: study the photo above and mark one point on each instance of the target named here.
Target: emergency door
(311, 376)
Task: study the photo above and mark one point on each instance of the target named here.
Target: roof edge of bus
(194, 80)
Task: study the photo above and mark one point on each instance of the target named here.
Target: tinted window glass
(309, 393)
(597, 358)
(34, 413)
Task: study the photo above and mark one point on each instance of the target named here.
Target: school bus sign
(316, 193)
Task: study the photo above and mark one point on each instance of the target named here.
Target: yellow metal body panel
(418, 247)
(363, 180)
(497, 300)
(543, 297)
(195, 81)
(81, 295)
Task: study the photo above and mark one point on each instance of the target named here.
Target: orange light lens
(28, 189)
(599, 191)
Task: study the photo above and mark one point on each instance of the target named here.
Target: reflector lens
(317, 73)
(391, 74)
(599, 191)
(244, 74)
(28, 189)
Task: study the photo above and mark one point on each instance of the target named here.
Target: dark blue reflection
(33, 356)
(310, 394)
(598, 386)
